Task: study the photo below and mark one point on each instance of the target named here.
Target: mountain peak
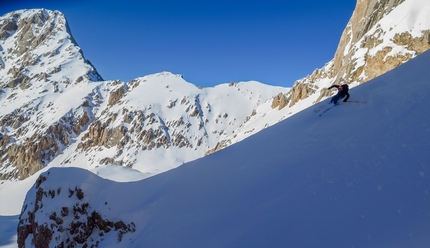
(40, 63)
(37, 45)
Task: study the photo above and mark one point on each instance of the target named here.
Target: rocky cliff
(381, 35)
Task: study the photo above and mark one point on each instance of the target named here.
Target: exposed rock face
(280, 101)
(37, 151)
(76, 224)
(370, 46)
(32, 83)
(116, 95)
(221, 145)
(364, 32)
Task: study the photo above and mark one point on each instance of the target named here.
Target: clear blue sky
(208, 42)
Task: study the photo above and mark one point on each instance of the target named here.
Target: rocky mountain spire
(26, 41)
(366, 15)
(39, 59)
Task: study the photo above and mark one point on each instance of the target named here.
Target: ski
(323, 111)
(327, 109)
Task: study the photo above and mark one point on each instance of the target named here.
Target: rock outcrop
(65, 217)
(279, 101)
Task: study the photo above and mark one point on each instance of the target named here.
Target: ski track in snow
(8, 236)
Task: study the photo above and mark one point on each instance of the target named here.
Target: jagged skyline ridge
(209, 43)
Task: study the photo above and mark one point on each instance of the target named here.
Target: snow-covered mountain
(57, 111)
(356, 177)
(160, 121)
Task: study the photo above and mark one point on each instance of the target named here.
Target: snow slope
(8, 226)
(356, 177)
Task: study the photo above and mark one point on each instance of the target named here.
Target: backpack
(345, 88)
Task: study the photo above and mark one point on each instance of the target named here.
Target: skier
(342, 91)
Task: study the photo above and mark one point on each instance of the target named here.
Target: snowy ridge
(356, 177)
(163, 121)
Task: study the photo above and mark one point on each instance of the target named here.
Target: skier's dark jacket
(342, 91)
